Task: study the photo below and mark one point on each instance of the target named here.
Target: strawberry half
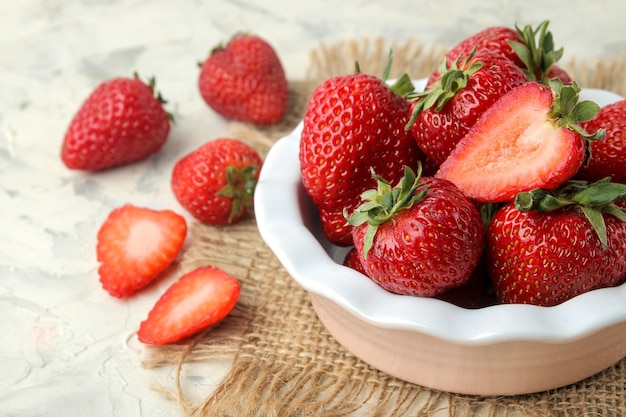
(198, 300)
(530, 138)
(135, 245)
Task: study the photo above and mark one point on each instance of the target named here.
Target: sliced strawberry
(135, 245)
(530, 138)
(198, 300)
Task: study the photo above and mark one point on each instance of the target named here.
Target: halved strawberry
(530, 138)
(135, 245)
(198, 300)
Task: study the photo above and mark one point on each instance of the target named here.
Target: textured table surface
(69, 349)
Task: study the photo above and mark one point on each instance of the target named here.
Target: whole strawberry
(529, 138)
(353, 261)
(608, 156)
(531, 49)
(122, 121)
(443, 114)
(421, 237)
(353, 123)
(546, 248)
(216, 182)
(245, 81)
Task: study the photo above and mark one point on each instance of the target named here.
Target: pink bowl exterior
(505, 368)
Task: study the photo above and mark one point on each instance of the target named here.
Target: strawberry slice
(135, 245)
(530, 138)
(198, 300)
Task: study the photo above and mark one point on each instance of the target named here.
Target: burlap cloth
(280, 360)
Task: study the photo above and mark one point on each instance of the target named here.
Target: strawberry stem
(240, 185)
(536, 50)
(453, 79)
(157, 94)
(567, 111)
(382, 204)
(403, 86)
(591, 199)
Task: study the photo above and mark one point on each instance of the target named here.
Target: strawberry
(198, 300)
(216, 182)
(135, 245)
(444, 113)
(530, 138)
(353, 123)
(547, 247)
(494, 40)
(245, 81)
(352, 260)
(477, 292)
(608, 156)
(122, 121)
(420, 237)
(530, 49)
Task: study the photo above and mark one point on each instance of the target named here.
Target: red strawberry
(476, 293)
(493, 40)
(352, 260)
(549, 247)
(198, 300)
(421, 237)
(446, 111)
(530, 49)
(608, 156)
(135, 245)
(216, 182)
(528, 139)
(557, 72)
(120, 122)
(245, 81)
(353, 123)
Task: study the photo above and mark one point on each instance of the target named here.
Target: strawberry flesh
(198, 300)
(135, 245)
(514, 147)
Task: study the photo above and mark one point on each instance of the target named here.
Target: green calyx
(402, 87)
(157, 94)
(567, 111)
(453, 79)
(536, 50)
(240, 185)
(592, 199)
(382, 204)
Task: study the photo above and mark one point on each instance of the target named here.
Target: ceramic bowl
(495, 350)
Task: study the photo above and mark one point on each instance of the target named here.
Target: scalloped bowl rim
(285, 219)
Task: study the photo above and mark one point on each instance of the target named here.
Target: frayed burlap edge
(282, 361)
